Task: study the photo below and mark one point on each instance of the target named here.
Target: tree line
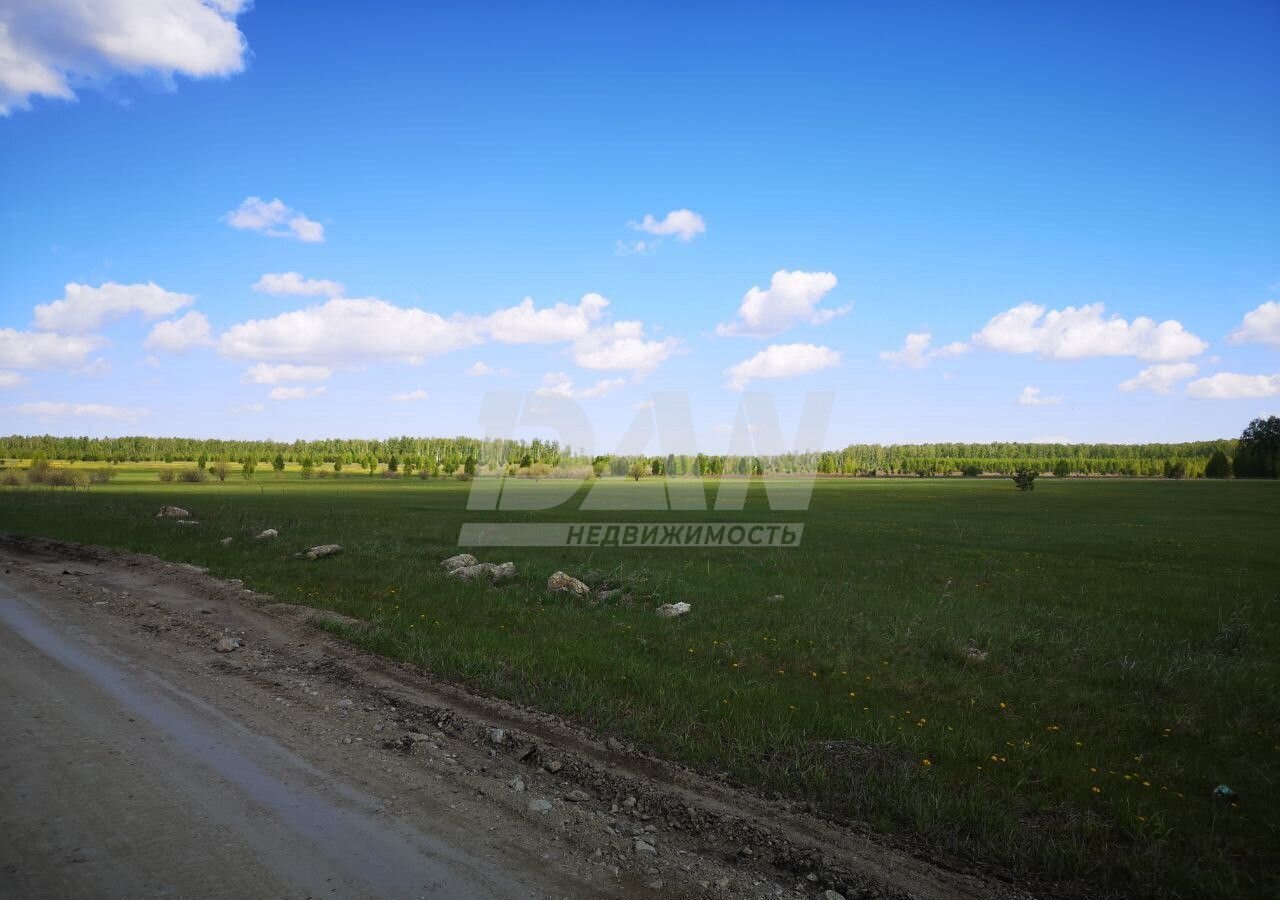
(1255, 454)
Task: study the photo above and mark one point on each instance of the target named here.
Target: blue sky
(908, 169)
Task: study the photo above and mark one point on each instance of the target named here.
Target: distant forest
(466, 455)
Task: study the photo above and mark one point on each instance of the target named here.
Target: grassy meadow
(1052, 681)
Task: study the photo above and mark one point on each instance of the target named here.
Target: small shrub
(65, 478)
(193, 475)
(168, 474)
(101, 475)
(11, 478)
(1025, 479)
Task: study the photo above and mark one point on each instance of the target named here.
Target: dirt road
(139, 761)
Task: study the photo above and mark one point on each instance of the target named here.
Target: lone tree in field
(1024, 479)
(1218, 466)
(1061, 469)
(278, 463)
(308, 466)
(1258, 453)
(637, 470)
(220, 468)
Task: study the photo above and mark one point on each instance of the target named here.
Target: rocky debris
(975, 654)
(554, 766)
(539, 806)
(565, 583)
(226, 541)
(345, 703)
(227, 643)
(832, 895)
(774, 598)
(608, 596)
(671, 610)
(417, 737)
(497, 736)
(643, 846)
(188, 522)
(494, 573)
(266, 534)
(516, 784)
(319, 552)
(576, 796)
(459, 561)
(173, 512)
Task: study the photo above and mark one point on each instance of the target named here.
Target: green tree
(221, 467)
(308, 466)
(278, 463)
(1218, 466)
(1024, 478)
(393, 464)
(202, 461)
(637, 470)
(1061, 469)
(1258, 452)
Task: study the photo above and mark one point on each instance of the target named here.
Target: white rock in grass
(565, 583)
(266, 535)
(173, 512)
(459, 561)
(226, 541)
(671, 610)
(319, 552)
(486, 570)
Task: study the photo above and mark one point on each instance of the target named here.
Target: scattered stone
(226, 541)
(974, 654)
(643, 846)
(516, 784)
(493, 572)
(554, 766)
(774, 598)
(345, 703)
(227, 644)
(577, 796)
(187, 522)
(153, 602)
(629, 803)
(1223, 792)
(564, 583)
(319, 552)
(609, 596)
(615, 745)
(266, 535)
(671, 610)
(497, 735)
(416, 737)
(656, 885)
(173, 512)
(539, 806)
(459, 561)
(832, 895)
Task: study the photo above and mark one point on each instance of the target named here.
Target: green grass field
(1132, 655)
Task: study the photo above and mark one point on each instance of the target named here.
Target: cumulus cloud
(635, 248)
(12, 379)
(265, 373)
(274, 219)
(55, 410)
(47, 46)
(791, 299)
(347, 331)
(292, 284)
(1076, 333)
(558, 384)
(410, 396)
(782, 361)
(525, 324)
(684, 224)
(84, 308)
(479, 369)
(1160, 378)
(42, 350)
(295, 393)
(1261, 326)
(918, 351)
(176, 335)
(623, 345)
(1233, 386)
(1031, 396)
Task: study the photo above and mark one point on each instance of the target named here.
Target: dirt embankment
(145, 760)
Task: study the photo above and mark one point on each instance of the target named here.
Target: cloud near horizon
(274, 219)
(791, 299)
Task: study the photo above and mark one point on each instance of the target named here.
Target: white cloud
(12, 379)
(782, 361)
(685, 224)
(290, 284)
(348, 330)
(265, 373)
(1031, 396)
(295, 393)
(248, 408)
(792, 299)
(52, 410)
(411, 396)
(1233, 386)
(274, 219)
(176, 335)
(1260, 326)
(46, 46)
(1076, 333)
(558, 384)
(622, 345)
(525, 324)
(917, 351)
(635, 248)
(84, 308)
(1160, 378)
(41, 350)
(479, 369)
